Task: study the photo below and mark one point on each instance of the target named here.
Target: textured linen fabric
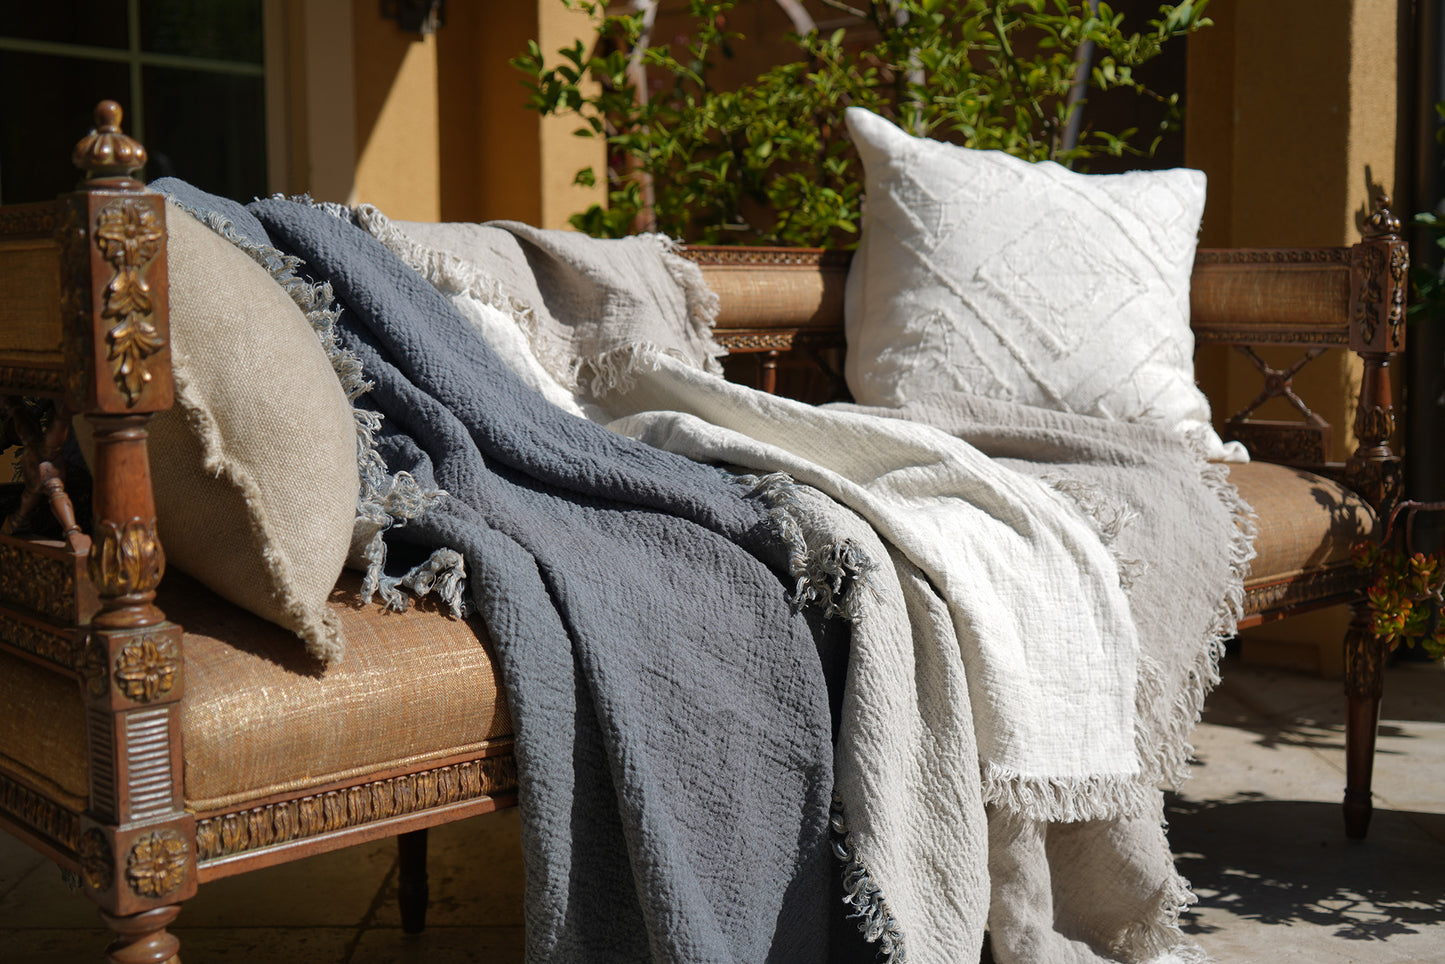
(585, 314)
(981, 273)
(1089, 891)
(673, 735)
(254, 467)
(416, 686)
(43, 731)
(906, 779)
(1182, 539)
(1305, 520)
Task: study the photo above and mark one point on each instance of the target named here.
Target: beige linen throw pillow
(981, 273)
(254, 468)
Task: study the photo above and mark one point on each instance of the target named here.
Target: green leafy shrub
(769, 161)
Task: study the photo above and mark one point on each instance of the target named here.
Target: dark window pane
(41, 126)
(209, 129)
(217, 29)
(95, 23)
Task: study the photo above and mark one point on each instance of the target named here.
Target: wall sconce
(423, 17)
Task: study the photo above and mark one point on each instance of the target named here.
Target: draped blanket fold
(1045, 618)
(673, 731)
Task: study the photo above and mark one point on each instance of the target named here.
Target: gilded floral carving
(146, 668)
(52, 821)
(28, 219)
(355, 806)
(1374, 424)
(1273, 256)
(1399, 275)
(93, 669)
(58, 647)
(126, 558)
(42, 584)
(1364, 664)
(129, 236)
(157, 864)
(97, 864)
(1372, 295)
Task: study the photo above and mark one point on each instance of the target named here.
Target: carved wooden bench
(133, 748)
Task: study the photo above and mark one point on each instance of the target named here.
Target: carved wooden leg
(411, 887)
(1364, 684)
(143, 938)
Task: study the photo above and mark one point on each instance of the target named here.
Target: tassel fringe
(833, 576)
(862, 895)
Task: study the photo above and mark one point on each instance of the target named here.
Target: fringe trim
(385, 499)
(1160, 941)
(593, 375)
(318, 627)
(862, 895)
(1164, 756)
(1059, 800)
(703, 304)
(836, 576)
(1167, 759)
(1109, 514)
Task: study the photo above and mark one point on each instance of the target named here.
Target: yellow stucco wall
(398, 158)
(426, 128)
(1293, 112)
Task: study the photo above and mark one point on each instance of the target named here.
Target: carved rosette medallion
(157, 864)
(127, 558)
(129, 236)
(97, 865)
(146, 668)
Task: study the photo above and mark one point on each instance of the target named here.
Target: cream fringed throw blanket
(1047, 596)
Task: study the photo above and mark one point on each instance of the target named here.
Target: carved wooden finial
(106, 151)
(1382, 223)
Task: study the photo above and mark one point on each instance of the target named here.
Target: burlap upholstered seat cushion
(1305, 520)
(261, 718)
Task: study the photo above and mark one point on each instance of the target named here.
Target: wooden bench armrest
(84, 325)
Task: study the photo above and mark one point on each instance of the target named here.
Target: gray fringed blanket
(1048, 601)
(673, 733)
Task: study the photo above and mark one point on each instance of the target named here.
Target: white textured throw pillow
(982, 273)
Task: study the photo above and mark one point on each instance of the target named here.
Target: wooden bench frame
(83, 322)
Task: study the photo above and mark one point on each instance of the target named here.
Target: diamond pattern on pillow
(981, 273)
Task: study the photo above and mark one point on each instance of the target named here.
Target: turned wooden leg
(1364, 684)
(411, 887)
(143, 938)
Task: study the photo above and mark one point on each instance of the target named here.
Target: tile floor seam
(369, 918)
(20, 878)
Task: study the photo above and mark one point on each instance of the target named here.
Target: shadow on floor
(1283, 862)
